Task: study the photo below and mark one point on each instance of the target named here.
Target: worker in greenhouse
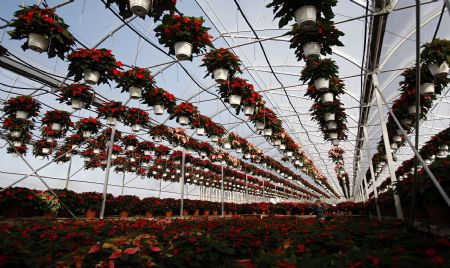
(319, 210)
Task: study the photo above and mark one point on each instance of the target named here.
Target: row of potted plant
(235, 242)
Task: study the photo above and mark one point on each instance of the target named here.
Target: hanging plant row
(434, 71)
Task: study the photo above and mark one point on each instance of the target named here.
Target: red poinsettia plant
(221, 58)
(161, 150)
(159, 96)
(130, 140)
(100, 60)
(17, 124)
(113, 109)
(43, 147)
(62, 154)
(319, 68)
(336, 153)
(22, 103)
(336, 87)
(178, 28)
(43, 21)
(235, 86)
(267, 116)
(184, 109)
(75, 91)
(58, 117)
(146, 146)
(201, 121)
(88, 124)
(76, 139)
(135, 77)
(215, 129)
(134, 116)
(159, 130)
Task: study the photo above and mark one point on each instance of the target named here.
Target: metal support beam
(66, 185)
(108, 168)
(372, 173)
(183, 158)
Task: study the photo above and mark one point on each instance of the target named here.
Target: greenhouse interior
(224, 133)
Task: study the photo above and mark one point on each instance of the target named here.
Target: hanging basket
(239, 150)
(220, 75)
(91, 77)
(282, 146)
(331, 125)
(214, 138)
(45, 150)
(306, 16)
(87, 134)
(312, 50)
(96, 150)
(335, 142)
(183, 50)
(227, 145)
(394, 146)
(439, 70)
(260, 125)
(135, 92)
(427, 89)
(183, 120)
(397, 138)
(249, 110)
(332, 135)
(158, 109)
(327, 98)
(147, 152)
(277, 142)
(412, 109)
(130, 148)
(17, 143)
(329, 117)
(200, 131)
(56, 126)
(322, 84)
(22, 114)
(268, 132)
(136, 127)
(140, 7)
(157, 138)
(50, 139)
(40, 157)
(16, 133)
(111, 121)
(38, 42)
(235, 100)
(289, 153)
(77, 104)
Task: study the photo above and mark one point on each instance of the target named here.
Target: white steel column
(108, 168)
(372, 174)
(183, 156)
(387, 147)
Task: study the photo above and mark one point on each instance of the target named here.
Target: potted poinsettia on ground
(135, 118)
(183, 36)
(77, 95)
(130, 141)
(311, 43)
(221, 63)
(184, 113)
(43, 148)
(45, 31)
(22, 107)
(233, 90)
(95, 66)
(58, 120)
(88, 126)
(436, 55)
(134, 80)
(91, 203)
(160, 99)
(305, 12)
(141, 8)
(48, 203)
(112, 111)
(126, 205)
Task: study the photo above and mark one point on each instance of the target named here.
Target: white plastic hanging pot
(327, 98)
(96, 150)
(130, 148)
(227, 145)
(157, 138)
(412, 109)
(220, 75)
(427, 162)
(333, 135)
(158, 109)
(68, 155)
(239, 150)
(45, 150)
(277, 142)
(22, 114)
(38, 42)
(17, 143)
(77, 104)
(91, 77)
(335, 142)
(289, 153)
(268, 132)
(50, 139)
(113, 156)
(56, 126)
(111, 121)
(132, 159)
(439, 70)
(200, 131)
(282, 146)
(249, 110)
(202, 154)
(394, 146)
(260, 125)
(235, 100)
(214, 138)
(147, 152)
(183, 50)
(306, 16)
(443, 147)
(86, 134)
(312, 50)
(40, 157)
(322, 84)
(140, 7)
(329, 117)
(135, 92)
(16, 133)
(427, 89)
(136, 127)
(331, 125)
(397, 138)
(183, 120)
